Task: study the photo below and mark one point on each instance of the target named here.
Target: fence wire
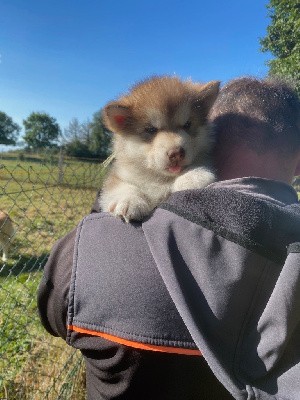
(44, 200)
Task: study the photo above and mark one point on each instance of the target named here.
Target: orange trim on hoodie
(136, 345)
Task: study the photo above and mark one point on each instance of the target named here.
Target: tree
(73, 131)
(41, 131)
(88, 139)
(77, 148)
(86, 132)
(9, 130)
(100, 137)
(283, 39)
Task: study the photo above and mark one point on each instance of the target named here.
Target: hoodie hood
(228, 258)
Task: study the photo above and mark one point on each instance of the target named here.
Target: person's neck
(249, 163)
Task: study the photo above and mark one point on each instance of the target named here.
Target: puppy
(161, 144)
(6, 234)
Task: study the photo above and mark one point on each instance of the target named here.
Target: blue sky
(70, 57)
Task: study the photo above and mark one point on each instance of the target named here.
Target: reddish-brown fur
(165, 94)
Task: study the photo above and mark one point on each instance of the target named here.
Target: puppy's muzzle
(176, 155)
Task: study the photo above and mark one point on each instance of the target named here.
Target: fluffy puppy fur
(161, 144)
(6, 234)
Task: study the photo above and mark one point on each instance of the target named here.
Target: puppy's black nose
(176, 154)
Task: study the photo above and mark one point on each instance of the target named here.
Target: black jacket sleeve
(115, 371)
(53, 291)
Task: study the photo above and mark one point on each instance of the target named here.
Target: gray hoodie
(228, 256)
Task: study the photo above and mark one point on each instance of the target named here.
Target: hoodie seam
(226, 234)
(137, 336)
(253, 302)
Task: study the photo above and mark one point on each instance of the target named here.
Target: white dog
(6, 234)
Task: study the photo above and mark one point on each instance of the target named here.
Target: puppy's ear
(206, 96)
(210, 92)
(117, 118)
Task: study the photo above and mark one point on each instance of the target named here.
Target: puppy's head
(161, 123)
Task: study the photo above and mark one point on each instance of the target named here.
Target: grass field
(45, 201)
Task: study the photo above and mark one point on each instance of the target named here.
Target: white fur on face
(153, 153)
(156, 118)
(165, 142)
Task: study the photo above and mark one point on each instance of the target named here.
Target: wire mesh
(44, 200)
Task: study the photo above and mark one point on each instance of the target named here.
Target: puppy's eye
(151, 129)
(187, 125)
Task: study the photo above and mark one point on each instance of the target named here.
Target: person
(200, 300)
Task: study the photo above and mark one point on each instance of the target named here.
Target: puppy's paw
(131, 208)
(195, 178)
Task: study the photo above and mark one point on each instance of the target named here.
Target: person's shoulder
(52, 296)
(63, 247)
(105, 222)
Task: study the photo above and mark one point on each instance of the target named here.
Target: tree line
(89, 139)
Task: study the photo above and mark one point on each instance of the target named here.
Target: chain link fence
(45, 200)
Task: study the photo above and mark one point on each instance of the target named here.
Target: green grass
(44, 202)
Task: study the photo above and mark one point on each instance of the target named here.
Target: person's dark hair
(263, 114)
